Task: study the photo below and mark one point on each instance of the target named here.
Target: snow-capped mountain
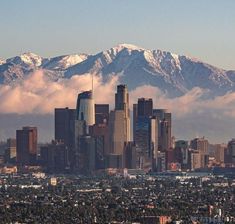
(26, 59)
(172, 73)
(64, 62)
(136, 66)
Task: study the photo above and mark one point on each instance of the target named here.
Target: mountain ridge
(174, 74)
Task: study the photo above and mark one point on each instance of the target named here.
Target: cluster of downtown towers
(91, 138)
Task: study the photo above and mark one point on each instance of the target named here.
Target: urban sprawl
(93, 172)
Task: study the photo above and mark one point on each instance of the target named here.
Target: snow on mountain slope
(29, 59)
(172, 73)
(2, 61)
(18, 67)
(64, 62)
(136, 66)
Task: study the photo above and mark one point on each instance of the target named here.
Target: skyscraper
(10, 153)
(145, 107)
(65, 126)
(122, 99)
(85, 108)
(129, 157)
(181, 153)
(135, 115)
(26, 145)
(54, 157)
(201, 145)
(231, 152)
(119, 124)
(101, 114)
(164, 129)
(145, 133)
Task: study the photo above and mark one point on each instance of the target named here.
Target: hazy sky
(201, 28)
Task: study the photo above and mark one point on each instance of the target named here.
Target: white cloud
(37, 94)
(192, 112)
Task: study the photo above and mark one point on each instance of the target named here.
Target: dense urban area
(177, 198)
(94, 172)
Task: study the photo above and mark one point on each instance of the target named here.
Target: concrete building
(145, 107)
(231, 152)
(195, 160)
(10, 152)
(87, 154)
(146, 136)
(114, 161)
(201, 145)
(119, 124)
(164, 129)
(54, 157)
(181, 153)
(65, 126)
(101, 114)
(26, 146)
(129, 157)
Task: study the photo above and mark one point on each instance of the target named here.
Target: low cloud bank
(37, 94)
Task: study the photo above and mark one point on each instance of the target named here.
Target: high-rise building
(84, 143)
(129, 157)
(218, 152)
(26, 145)
(145, 134)
(65, 126)
(135, 115)
(146, 141)
(118, 131)
(10, 152)
(181, 153)
(164, 129)
(122, 99)
(102, 114)
(102, 130)
(99, 152)
(87, 163)
(119, 124)
(231, 152)
(195, 160)
(114, 161)
(201, 145)
(145, 107)
(85, 108)
(54, 157)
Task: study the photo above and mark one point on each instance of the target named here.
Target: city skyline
(92, 137)
(135, 95)
(57, 28)
(117, 111)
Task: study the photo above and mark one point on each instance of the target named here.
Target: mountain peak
(27, 58)
(172, 73)
(128, 46)
(31, 58)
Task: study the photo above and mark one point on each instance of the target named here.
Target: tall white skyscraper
(86, 108)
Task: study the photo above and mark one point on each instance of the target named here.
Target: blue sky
(202, 28)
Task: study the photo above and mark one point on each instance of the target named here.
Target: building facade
(26, 146)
